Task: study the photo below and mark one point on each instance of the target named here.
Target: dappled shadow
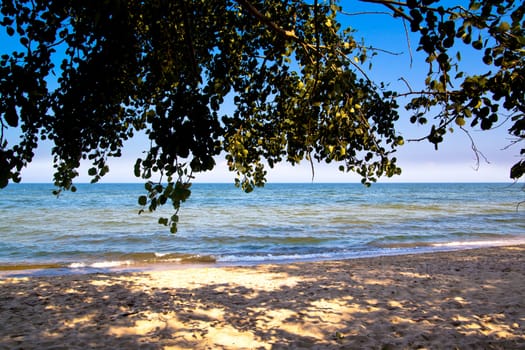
(424, 301)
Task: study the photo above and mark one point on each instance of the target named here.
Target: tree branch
(290, 34)
(390, 5)
(432, 93)
(189, 42)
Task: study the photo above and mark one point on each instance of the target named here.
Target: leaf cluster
(494, 31)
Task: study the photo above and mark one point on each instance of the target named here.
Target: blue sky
(454, 162)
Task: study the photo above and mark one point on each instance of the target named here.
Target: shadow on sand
(460, 300)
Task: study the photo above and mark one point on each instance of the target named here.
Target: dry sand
(472, 299)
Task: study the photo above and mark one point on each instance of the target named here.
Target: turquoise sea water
(98, 227)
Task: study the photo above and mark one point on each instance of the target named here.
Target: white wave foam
(100, 264)
(349, 254)
(481, 243)
(77, 265)
(277, 258)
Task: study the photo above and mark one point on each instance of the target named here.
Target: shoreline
(42, 269)
(472, 298)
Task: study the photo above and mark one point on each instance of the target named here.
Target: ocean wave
(132, 259)
(242, 259)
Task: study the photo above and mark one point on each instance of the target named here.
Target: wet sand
(471, 299)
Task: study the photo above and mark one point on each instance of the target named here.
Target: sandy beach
(471, 299)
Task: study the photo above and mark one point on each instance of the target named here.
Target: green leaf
(478, 44)
(11, 117)
(460, 121)
(474, 6)
(504, 26)
(143, 200)
(517, 170)
(137, 167)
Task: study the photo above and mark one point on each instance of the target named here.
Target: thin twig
(477, 152)
(408, 43)
(372, 48)
(407, 84)
(390, 5)
(365, 13)
(432, 93)
(356, 66)
(513, 142)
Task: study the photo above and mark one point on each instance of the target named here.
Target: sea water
(98, 227)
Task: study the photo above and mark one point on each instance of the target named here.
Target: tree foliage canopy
(88, 75)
